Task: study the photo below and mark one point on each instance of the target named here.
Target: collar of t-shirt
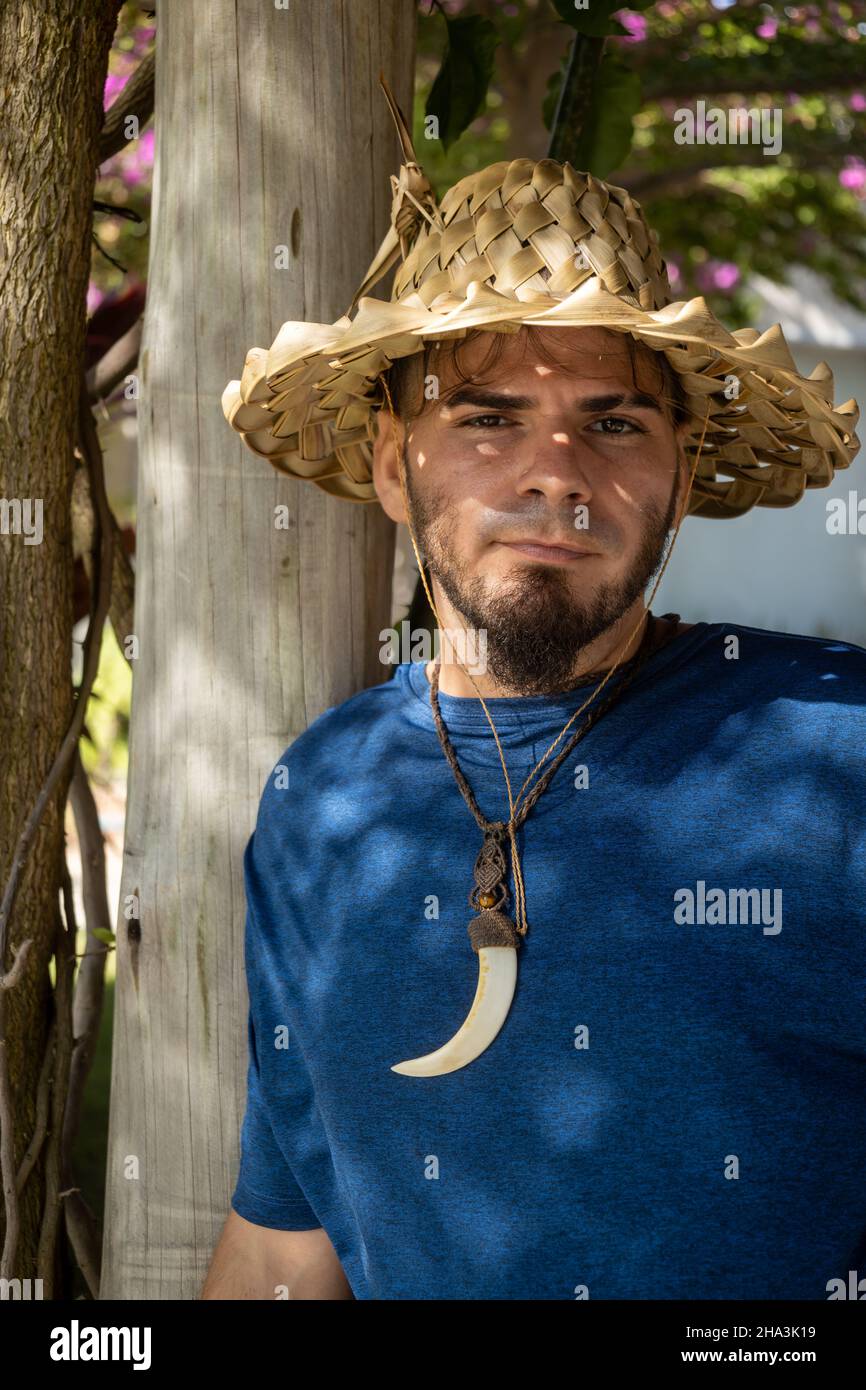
(523, 718)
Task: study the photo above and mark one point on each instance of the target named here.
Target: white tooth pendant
(497, 978)
(495, 940)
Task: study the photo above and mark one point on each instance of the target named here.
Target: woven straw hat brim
(307, 404)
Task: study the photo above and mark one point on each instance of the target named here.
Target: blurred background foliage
(104, 746)
(722, 211)
(126, 179)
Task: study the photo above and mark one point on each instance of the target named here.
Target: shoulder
(789, 677)
(313, 793)
(338, 745)
(788, 653)
(354, 722)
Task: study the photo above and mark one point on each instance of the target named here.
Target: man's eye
(616, 424)
(482, 421)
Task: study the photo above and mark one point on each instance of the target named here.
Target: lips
(552, 553)
(548, 545)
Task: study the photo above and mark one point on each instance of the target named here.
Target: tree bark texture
(53, 61)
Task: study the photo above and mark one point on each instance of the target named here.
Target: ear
(386, 476)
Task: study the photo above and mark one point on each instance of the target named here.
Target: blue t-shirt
(675, 1106)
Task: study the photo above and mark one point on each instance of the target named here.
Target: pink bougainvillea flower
(725, 275)
(133, 165)
(857, 101)
(853, 176)
(717, 275)
(768, 28)
(634, 23)
(114, 83)
(95, 297)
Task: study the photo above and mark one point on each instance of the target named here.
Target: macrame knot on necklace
(489, 890)
(492, 926)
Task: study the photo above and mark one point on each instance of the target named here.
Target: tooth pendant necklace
(494, 935)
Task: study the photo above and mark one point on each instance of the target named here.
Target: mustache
(545, 529)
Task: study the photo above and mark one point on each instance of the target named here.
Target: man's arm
(254, 1261)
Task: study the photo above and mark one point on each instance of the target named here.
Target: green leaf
(597, 19)
(103, 934)
(459, 91)
(606, 138)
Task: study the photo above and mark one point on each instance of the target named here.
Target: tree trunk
(53, 61)
(271, 130)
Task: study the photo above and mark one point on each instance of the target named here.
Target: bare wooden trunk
(270, 130)
(53, 60)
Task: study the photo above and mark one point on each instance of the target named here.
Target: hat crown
(531, 230)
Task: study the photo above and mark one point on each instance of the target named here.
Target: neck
(596, 658)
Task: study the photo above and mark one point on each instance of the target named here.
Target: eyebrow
(496, 400)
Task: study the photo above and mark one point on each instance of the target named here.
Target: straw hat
(526, 242)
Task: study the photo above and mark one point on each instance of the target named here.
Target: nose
(554, 468)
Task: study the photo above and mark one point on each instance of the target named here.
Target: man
(671, 1102)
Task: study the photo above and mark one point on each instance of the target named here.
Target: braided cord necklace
(489, 894)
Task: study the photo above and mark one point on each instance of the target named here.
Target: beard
(536, 627)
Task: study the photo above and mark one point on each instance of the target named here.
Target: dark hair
(407, 375)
